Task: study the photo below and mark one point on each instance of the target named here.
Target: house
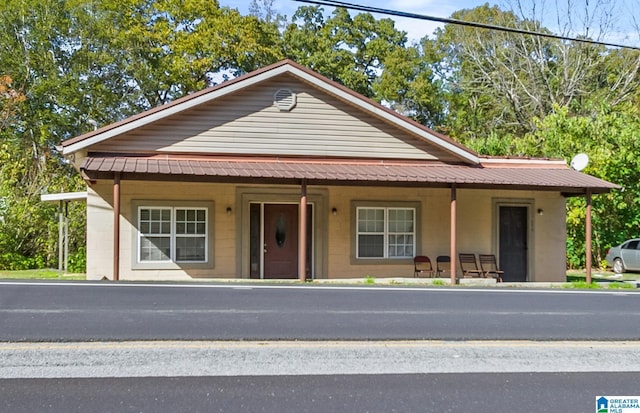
(283, 173)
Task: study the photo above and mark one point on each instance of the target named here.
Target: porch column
(66, 236)
(60, 238)
(588, 236)
(116, 226)
(452, 246)
(302, 239)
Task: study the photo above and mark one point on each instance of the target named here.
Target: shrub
(78, 262)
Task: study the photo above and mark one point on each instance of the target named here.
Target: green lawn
(577, 279)
(46, 274)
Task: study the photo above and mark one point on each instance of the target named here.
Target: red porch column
(116, 226)
(588, 236)
(302, 251)
(452, 246)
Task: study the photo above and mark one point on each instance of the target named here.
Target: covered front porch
(360, 219)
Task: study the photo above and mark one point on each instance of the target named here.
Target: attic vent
(285, 99)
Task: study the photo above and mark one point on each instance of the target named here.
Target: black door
(513, 243)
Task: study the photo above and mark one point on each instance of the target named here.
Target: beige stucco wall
(100, 224)
(476, 223)
(476, 228)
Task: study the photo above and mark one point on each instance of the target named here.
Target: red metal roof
(336, 172)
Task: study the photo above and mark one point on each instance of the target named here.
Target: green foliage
(15, 261)
(611, 138)
(351, 50)
(500, 83)
(78, 261)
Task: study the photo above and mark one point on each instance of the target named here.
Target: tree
(85, 63)
(499, 82)
(351, 50)
(33, 55)
(9, 100)
(611, 138)
(167, 49)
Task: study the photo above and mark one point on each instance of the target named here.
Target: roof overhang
(64, 196)
(343, 173)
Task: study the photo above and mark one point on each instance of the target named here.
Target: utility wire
(370, 9)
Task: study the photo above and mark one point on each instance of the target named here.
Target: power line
(370, 9)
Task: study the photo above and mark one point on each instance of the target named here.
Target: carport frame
(63, 200)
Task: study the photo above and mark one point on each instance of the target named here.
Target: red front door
(281, 241)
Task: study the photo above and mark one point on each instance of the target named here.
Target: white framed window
(384, 232)
(172, 234)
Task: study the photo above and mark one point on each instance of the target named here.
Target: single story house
(283, 173)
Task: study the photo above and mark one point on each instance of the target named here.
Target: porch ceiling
(343, 172)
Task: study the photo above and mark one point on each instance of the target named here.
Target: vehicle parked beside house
(624, 257)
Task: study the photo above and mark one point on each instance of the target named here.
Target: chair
(469, 265)
(422, 263)
(443, 264)
(489, 266)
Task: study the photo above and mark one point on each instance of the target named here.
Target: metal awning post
(302, 242)
(66, 237)
(452, 246)
(588, 237)
(116, 226)
(60, 237)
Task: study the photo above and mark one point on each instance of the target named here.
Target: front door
(513, 233)
(273, 240)
(281, 241)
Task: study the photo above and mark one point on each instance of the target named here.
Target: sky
(578, 13)
(416, 29)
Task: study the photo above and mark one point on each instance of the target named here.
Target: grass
(45, 274)
(582, 285)
(600, 279)
(619, 285)
(573, 275)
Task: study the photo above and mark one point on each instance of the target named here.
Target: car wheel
(618, 267)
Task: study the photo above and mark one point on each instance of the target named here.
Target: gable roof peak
(276, 69)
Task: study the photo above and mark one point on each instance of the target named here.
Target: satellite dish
(580, 161)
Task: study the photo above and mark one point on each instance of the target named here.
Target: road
(119, 347)
(454, 393)
(108, 311)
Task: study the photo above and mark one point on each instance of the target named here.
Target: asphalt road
(455, 393)
(71, 347)
(120, 311)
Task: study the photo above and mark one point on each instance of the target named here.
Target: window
(172, 234)
(385, 232)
